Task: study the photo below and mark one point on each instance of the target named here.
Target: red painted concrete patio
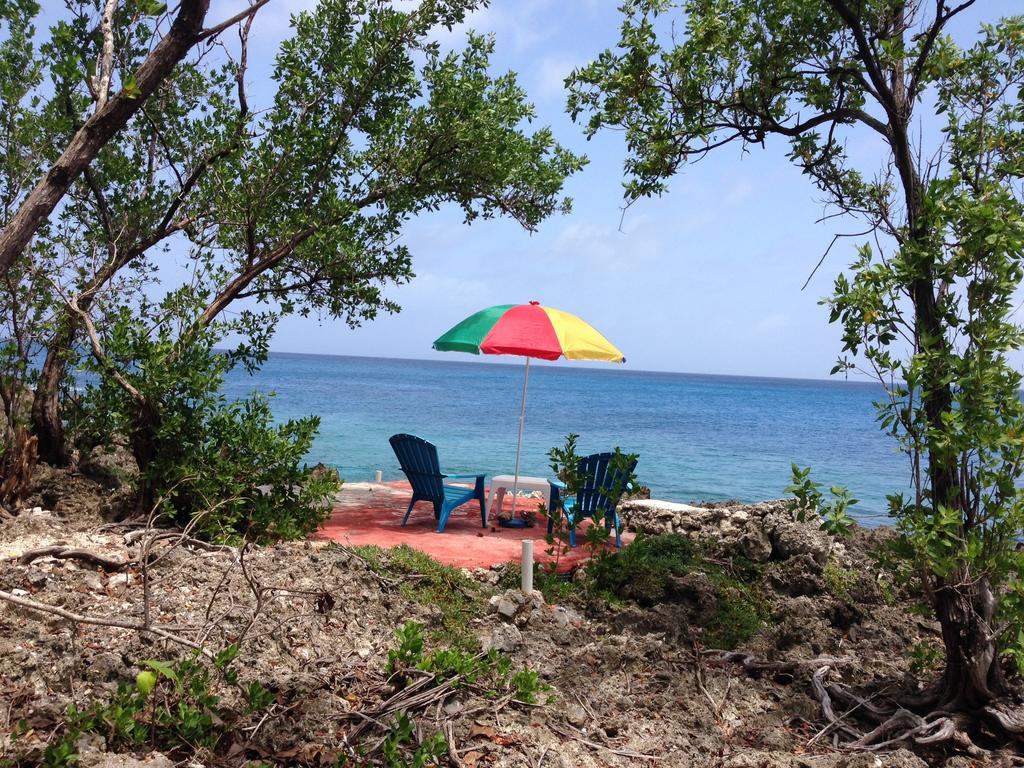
(371, 513)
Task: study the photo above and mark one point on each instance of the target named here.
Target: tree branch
(100, 82)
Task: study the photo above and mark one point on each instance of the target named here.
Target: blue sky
(706, 279)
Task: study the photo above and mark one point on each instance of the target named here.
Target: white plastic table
(501, 483)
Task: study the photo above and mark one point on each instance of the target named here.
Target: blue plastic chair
(589, 500)
(418, 459)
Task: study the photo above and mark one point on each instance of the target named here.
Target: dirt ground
(629, 685)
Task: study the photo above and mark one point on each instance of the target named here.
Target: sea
(699, 437)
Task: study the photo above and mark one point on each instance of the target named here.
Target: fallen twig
(449, 737)
(576, 736)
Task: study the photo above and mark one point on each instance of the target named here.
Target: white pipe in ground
(378, 476)
(526, 569)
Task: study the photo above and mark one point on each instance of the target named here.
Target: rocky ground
(631, 681)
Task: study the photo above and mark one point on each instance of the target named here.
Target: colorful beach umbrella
(528, 330)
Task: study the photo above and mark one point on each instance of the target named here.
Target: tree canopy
(298, 206)
(928, 306)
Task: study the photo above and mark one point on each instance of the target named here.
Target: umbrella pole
(519, 443)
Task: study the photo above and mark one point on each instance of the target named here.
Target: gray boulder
(112, 467)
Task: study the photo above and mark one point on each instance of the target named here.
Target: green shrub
(643, 572)
(639, 571)
(223, 466)
(171, 708)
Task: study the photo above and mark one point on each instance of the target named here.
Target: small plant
(806, 492)
(394, 750)
(491, 670)
(526, 683)
(171, 708)
(567, 467)
(925, 657)
(808, 499)
(258, 697)
(834, 519)
(409, 652)
(886, 590)
(565, 463)
(838, 580)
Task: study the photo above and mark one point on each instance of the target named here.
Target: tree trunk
(964, 605)
(144, 449)
(99, 129)
(17, 465)
(47, 424)
(973, 677)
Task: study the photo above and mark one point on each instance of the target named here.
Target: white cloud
(551, 76)
(520, 24)
(739, 191)
(429, 289)
(772, 324)
(604, 247)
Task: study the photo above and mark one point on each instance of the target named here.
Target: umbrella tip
(535, 303)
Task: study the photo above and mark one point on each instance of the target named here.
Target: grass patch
(421, 579)
(838, 580)
(644, 572)
(556, 588)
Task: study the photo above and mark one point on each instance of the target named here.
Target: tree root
(67, 553)
(753, 664)
(1008, 717)
(892, 726)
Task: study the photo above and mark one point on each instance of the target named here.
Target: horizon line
(488, 360)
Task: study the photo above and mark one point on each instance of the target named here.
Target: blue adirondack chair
(418, 459)
(589, 500)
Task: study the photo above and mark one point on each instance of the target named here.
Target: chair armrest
(556, 483)
(473, 475)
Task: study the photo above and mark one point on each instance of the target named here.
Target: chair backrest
(597, 470)
(418, 459)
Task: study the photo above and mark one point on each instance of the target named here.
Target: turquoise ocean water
(699, 437)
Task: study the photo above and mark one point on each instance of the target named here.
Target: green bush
(223, 466)
(241, 475)
(172, 708)
(639, 571)
(644, 570)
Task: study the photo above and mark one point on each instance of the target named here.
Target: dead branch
(102, 621)
(715, 706)
(453, 751)
(99, 84)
